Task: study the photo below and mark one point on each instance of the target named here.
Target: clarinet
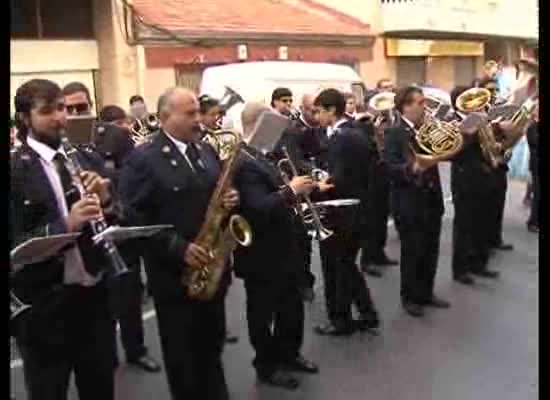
(107, 245)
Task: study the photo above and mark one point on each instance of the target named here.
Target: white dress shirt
(182, 147)
(74, 271)
(331, 130)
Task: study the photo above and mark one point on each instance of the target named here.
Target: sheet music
(120, 234)
(41, 248)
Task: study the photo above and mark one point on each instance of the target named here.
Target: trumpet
(309, 215)
(383, 106)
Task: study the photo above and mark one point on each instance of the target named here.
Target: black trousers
(534, 216)
(88, 351)
(498, 202)
(344, 283)
(471, 223)
(420, 231)
(127, 292)
(275, 315)
(378, 211)
(304, 249)
(192, 337)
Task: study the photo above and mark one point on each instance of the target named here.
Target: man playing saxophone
(176, 166)
(270, 267)
(418, 203)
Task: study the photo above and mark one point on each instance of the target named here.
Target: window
(24, 22)
(51, 19)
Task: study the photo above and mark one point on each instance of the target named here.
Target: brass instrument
(383, 106)
(141, 128)
(519, 120)
(219, 235)
(17, 307)
(223, 141)
(436, 141)
(229, 99)
(478, 100)
(310, 215)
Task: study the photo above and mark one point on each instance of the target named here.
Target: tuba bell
(229, 99)
(479, 100)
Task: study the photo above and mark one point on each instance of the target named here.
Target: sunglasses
(78, 108)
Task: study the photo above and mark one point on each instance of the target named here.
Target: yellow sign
(432, 48)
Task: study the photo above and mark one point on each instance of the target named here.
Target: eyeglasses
(78, 108)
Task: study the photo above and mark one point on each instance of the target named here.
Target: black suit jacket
(268, 206)
(34, 213)
(348, 166)
(533, 141)
(113, 144)
(158, 186)
(413, 195)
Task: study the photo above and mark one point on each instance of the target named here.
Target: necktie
(69, 190)
(194, 158)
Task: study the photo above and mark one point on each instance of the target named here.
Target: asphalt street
(484, 347)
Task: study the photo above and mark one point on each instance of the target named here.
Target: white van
(255, 81)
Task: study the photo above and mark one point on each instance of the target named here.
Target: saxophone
(219, 235)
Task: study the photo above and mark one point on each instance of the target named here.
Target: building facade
(119, 48)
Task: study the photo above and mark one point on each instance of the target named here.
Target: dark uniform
(471, 178)
(417, 202)
(344, 284)
(270, 267)
(69, 327)
(497, 204)
(303, 143)
(159, 186)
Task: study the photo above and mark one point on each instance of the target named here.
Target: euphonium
(223, 141)
(436, 141)
(219, 235)
(478, 100)
(384, 107)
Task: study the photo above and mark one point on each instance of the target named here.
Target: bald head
(250, 115)
(308, 109)
(178, 110)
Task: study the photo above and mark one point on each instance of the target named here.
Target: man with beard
(176, 165)
(69, 327)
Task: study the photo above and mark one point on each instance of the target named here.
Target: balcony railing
(508, 18)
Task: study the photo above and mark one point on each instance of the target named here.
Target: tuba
(229, 99)
(384, 115)
(436, 141)
(219, 235)
(478, 100)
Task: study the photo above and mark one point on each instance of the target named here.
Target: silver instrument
(17, 307)
(108, 246)
(309, 216)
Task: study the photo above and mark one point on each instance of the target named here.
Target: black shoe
(279, 379)
(384, 261)
(308, 294)
(230, 338)
(344, 329)
(533, 228)
(504, 246)
(413, 309)
(146, 363)
(465, 279)
(486, 273)
(300, 364)
(367, 321)
(436, 302)
(371, 270)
